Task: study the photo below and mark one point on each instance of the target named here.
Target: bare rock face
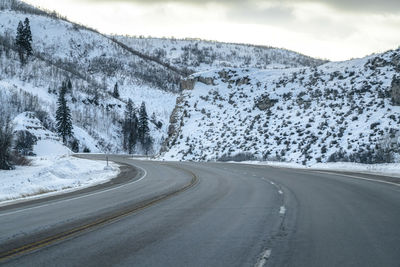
(187, 84)
(175, 124)
(395, 90)
(396, 62)
(206, 80)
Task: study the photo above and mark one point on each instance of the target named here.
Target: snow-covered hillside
(145, 70)
(338, 111)
(53, 169)
(247, 101)
(94, 64)
(199, 55)
(28, 122)
(88, 54)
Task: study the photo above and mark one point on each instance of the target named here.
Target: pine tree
(69, 86)
(27, 38)
(23, 40)
(116, 92)
(143, 129)
(63, 116)
(20, 42)
(129, 128)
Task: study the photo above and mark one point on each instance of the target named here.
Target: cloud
(362, 6)
(355, 6)
(275, 14)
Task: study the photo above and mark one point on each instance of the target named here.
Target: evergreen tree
(20, 42)
(143, 129)
(23, 40)
(63, 116)
(69, 86)
(148, 144)
(116, 92)
(27, 38)
(129, 128)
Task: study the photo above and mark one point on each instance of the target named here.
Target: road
(209, 214)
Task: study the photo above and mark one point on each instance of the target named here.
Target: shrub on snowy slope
(303, 115)
(87, 52)
(200, 55)
(93, 63)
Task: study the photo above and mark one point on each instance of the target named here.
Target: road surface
(209, 214)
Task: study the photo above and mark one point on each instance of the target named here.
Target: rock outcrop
(187, 84)
(190, 82)
(395, 90)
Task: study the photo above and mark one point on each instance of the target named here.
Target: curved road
(209, 214)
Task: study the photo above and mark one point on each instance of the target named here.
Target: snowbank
(53, 170)
(386, 169)
(52, 174)
(50, 148)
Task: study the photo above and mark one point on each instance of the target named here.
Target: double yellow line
(100, 222)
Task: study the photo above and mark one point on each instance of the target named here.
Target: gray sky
(333, 29)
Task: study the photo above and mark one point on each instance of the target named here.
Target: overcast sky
(332, 29)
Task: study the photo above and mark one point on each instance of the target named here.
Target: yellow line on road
(67, 234)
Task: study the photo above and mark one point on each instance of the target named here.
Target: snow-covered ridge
(200, 55)
(94, 64)
(337, 111)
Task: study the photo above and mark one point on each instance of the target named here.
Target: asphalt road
(209, 214)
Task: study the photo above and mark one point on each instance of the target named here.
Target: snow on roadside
(53, 174)
(50, 148)
(52, 171)
(385, 169)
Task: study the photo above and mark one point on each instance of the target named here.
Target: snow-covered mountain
(94, 63)
(199, 55)
(337, 111)
(241, 101)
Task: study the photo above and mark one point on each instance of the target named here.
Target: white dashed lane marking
(282, 210)
(263, 260)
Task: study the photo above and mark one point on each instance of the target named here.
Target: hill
(197, 55)
(339, 111)
(95, 63)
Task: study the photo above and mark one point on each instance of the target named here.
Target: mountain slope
(94, 64)
(337, 111)
(199, 55)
